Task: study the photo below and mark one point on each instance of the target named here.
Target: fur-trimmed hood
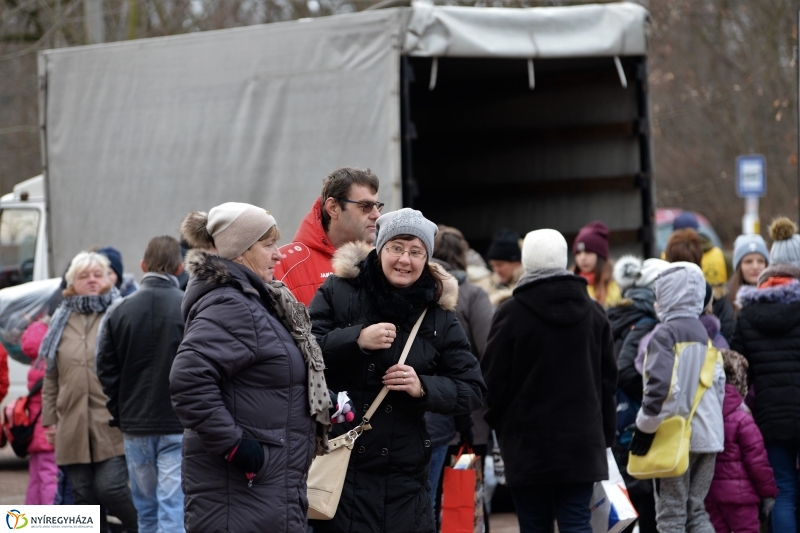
(347, 265)
(208, 267)
(208, 271)
(784, 294)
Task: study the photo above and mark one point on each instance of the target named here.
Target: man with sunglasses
(345, 212)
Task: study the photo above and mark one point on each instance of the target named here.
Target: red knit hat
(593, 237)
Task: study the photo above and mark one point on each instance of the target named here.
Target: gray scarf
(294, 316)
(535, 275)
(84, 305)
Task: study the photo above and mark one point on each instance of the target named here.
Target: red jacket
(308, 258)
(742, 474)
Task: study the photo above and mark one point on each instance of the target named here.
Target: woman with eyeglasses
(362, 316)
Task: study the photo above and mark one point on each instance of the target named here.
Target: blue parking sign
(751, 176)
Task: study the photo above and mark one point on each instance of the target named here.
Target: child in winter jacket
(743, 478)
(676, 353)
(42, 462)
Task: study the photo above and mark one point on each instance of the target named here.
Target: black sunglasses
(366, 207)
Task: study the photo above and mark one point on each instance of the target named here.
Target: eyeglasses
(395, 250)
(365, 206)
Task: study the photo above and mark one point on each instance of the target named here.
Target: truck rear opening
(483, 150)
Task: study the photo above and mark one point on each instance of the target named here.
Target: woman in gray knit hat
(247, 382)
(362, 316)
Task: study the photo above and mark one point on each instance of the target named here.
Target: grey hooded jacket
(675, 354)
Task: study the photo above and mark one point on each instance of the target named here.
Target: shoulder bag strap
(384, 391)
(708, 366)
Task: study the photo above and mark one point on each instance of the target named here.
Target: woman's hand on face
(403, 378)
(50, 434)
(377, 336)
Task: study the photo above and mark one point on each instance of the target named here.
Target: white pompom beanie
(544, 249)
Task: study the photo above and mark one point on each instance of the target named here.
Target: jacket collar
(311, 233)
(155, 278)
(208, 271)
(347, 265)
(784, 294)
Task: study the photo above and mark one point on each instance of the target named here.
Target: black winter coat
(387, 487)
(630, 321)
(552, 378)
(238, 373)
(723, 310)
(136, 346)
(768, 335)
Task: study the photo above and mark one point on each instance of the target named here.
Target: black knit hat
(505, 246)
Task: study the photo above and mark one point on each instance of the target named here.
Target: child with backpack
(743, 479)
(42, 462)
(676, 357)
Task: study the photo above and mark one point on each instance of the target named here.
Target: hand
(50, 434)
(403, 378)
(377, 336)
(641, 442)
(248, 456)
(766, 506)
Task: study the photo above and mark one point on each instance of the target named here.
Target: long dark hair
(736, 282)
(603, 273)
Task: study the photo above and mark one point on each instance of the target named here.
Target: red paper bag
(458, 501)
(462, 495)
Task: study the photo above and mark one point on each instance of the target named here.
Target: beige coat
(73, 398)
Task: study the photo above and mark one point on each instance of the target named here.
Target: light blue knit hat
(405, 221)
(748, 244)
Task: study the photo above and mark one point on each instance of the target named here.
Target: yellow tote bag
(669, 454)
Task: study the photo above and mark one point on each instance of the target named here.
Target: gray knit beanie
(786, 248)
(235, 227)
(405, 221)
(746, 245)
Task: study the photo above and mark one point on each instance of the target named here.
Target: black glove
(641, 442)
(248, 456)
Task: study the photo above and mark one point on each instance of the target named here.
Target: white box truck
(480, 117)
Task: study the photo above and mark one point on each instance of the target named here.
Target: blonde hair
(85, 260)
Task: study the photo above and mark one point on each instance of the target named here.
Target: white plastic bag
(612, 510)
(19, 307)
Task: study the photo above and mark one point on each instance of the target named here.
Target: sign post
(751, 184)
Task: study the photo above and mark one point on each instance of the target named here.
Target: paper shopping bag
(612, 510)
(462, 495)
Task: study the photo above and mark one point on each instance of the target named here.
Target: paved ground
(14, 482)
(13, 477)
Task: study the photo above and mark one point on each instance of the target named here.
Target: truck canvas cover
(138, 133)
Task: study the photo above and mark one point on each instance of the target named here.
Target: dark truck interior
(482, 150)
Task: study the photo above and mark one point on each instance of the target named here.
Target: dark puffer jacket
(742, 474)
(768, 335)
(387, 486)
(238, 373)
(552, 378)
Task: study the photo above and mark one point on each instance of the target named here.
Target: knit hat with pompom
(630, 271)
(786, 246)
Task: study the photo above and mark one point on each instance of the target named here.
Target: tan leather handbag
(327, 472)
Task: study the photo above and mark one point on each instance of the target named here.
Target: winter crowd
(198, 400)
